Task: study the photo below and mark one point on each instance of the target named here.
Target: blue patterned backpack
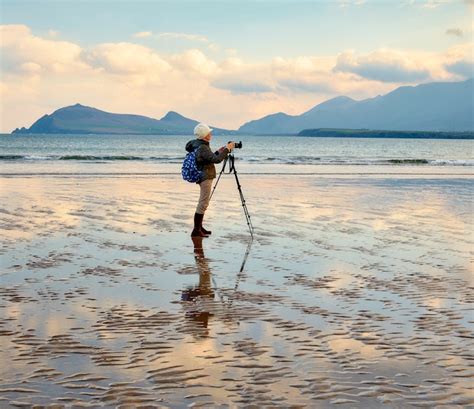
(189, 170)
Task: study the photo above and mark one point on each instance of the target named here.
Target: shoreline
(141, 169)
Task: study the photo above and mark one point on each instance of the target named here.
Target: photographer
(205, 160)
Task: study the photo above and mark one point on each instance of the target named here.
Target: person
(205, 160)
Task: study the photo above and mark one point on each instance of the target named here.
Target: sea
(58, 154)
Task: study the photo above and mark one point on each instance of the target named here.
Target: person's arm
(205, 155)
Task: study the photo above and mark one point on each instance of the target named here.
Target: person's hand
(230, 146)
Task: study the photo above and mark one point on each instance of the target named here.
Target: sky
(222, 62)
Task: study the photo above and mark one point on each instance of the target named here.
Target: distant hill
(442, 106)
(80, 119)
(368, 133)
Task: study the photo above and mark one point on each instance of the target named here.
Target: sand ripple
(356, 293)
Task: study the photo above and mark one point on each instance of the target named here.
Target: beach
(355, 292)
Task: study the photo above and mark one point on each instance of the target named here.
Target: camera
(238, 145)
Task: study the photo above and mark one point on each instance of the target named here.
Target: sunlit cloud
(179, 37)
(282, 76)
(123, 58)
(20, 46)
(383, 65)
(459, 60)
(194, 61)
(143, 34)
(189, 38)
(184, 36)
(127, 77)
(176, 36)
(53, 33)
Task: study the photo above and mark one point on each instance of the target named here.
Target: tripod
(231, 160)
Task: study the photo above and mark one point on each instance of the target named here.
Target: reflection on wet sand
(198, 298)
(356, 293)
(201, 291)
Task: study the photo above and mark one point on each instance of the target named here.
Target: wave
(307, 160)
(87, 158)
(90, 157)
(11, 157)
(291, 160)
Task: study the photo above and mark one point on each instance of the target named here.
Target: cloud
(383, 65)
(126, 58)
(43, 74)
(432, 4)
(459, 60)
(242, 86)
(291, 78)
(19, 47)
(462, 68)
(427, 4)
(196, 38)
(240, 77)
(306, 75)
(179, 37)
(454, 32)
(305, 85)
(30, 67)
(348, 3)
(194, 61)
(214, 47)
(143, 34)
(172, 36)
(183, 36)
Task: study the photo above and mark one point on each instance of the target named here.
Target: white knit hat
(201, 131)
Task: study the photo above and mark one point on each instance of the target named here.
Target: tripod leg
(220, 174)
(247, 215)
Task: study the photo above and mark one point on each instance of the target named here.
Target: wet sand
(356, 292)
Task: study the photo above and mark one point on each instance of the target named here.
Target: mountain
(442, 106)
(80, 119)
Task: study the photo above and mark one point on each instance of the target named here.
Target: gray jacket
(205, 158)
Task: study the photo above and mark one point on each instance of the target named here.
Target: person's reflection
(196, 311)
